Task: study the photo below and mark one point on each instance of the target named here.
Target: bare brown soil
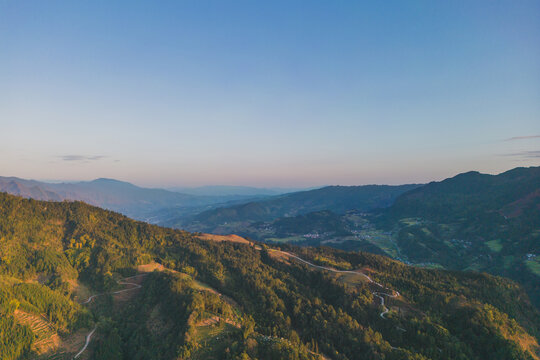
(216, 319)
(47, 338)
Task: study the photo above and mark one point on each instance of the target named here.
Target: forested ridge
(473, 221)
(338, 199)
(227, 300)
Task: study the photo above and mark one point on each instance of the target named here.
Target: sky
(275, 93)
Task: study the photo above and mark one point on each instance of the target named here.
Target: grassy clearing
(202, 286)
(351, 279)
(229, 238)
(409, 221)
(212, 340)
(494, 245)
(381, 239)
(533, 266)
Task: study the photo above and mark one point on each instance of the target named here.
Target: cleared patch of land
(533, 265)
(47, 339)
(151, 267)
(351, 279)
(409, 221)
(211, 340)
(383, 240)
(494, 245)
(219, 238)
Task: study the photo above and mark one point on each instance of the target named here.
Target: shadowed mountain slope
(338, 199)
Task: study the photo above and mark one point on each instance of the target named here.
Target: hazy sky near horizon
(275, 93)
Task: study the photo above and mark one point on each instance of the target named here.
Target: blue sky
(277, 93)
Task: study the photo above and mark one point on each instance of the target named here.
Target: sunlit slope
(240, 299)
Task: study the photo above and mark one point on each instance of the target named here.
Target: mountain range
(137, 202)
(228, 190)
(334, 198)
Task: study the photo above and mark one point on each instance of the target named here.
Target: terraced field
(47, 338)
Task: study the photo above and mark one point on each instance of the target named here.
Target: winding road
(120, 282)
(88, 338)
(378, 294)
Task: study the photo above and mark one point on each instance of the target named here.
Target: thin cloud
(535, 154)
(82, 158)
(522, 137)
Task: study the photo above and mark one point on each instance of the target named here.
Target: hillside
(338, 199)
(231, 300)
(473, 221)
(466, 194)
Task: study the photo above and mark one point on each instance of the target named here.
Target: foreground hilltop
(62, 265)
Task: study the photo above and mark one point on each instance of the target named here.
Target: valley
(471, 222)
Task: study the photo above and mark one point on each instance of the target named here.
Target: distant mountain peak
(108, 180)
